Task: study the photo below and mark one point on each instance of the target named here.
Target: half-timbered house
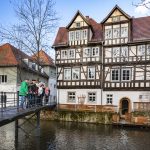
(105, 63)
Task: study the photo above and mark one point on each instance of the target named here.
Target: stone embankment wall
(88, 117)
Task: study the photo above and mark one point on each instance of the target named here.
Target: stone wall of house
(88, 117)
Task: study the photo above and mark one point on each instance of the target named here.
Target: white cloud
(143, 8)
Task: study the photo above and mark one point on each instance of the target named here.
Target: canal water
(73, 136)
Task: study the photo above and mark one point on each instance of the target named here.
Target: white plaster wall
(53, 90)
(62, 95)
(118, 95)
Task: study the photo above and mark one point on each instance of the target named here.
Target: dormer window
(78, 25)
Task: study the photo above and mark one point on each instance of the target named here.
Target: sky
(66, 9)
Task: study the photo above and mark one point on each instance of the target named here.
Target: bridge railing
(10, 101)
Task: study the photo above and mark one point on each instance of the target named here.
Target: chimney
(87, 17)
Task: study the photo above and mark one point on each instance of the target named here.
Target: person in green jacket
(23, 92)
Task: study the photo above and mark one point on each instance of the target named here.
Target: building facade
(15, 67)
(105, 63)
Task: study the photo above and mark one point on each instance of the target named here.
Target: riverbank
(134, 119)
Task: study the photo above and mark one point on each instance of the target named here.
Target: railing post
(1, 101)
(16, 134)
(17, 101)
(38, 123)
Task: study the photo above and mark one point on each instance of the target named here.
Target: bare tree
(145, 3)
(37, 21)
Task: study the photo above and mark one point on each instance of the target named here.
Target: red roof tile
(45, 59)
(10, 56)
(141, 28)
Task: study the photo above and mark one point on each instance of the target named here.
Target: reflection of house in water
(112, 59)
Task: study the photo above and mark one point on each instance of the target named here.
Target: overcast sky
(66, 9)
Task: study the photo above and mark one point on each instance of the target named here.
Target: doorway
(125, 106)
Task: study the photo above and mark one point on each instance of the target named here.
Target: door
(124, 106)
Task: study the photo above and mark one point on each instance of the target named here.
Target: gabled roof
(77, 13)
(44, 58)
(11, 56)
(62, 34)
(141, 28)
(111, 12)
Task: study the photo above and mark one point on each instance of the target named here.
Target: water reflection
(74, 136)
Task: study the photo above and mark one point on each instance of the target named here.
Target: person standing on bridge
(23, 92)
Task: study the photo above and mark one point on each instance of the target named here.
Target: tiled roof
(141, 28)
(61, 37)
(45, 59)
(11, 56)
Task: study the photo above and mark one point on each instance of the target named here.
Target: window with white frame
(95, 51)
(67, 74)
(124, 31)
(3, 78)
(115, 74)
(84, 34)
(116, 18)
(77, 37)
(75, 73)
(92, 97)
(126, 74)
(148, 49)
(124, 51)
(141, 50)
(116, 52)
(116, 32)
(71, 53)
(77, 24)
(108, 33)
(71, 96)
(91, 72)
(109, 99)
(71, 35)
(87, 52)
(64, 54)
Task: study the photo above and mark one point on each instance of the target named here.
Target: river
(74, 136)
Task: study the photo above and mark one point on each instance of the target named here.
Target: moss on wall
(92, 117)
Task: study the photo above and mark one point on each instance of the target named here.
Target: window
(124, 52)
(116, 32)
(141, 50)
(64, 54)
(71, 97)
(126, 74)
(108, 33)
(109, 99)
(92, 97)
(115, 75)
(71, 35)
(87, 52)
(3, 78)
(95, 51)
(67, 74)
(124, 32)
(91, 72)
(116, 18)
(84, 34)
(78, 24)
(116, 52)
(77, 35)
(148, 49)
(71, 53)
(75, 73)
